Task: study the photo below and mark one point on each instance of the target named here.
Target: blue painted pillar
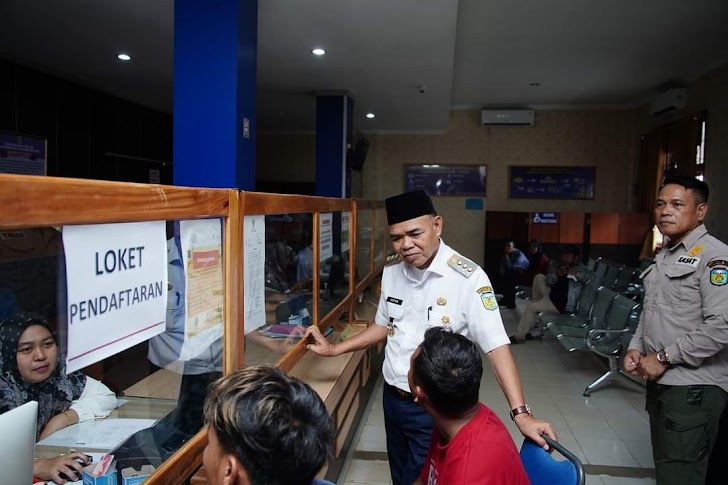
(214, 93)
(333, 132)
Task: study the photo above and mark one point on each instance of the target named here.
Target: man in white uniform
(428, 284)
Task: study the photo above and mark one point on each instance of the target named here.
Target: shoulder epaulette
(392, 259)
(462, 265)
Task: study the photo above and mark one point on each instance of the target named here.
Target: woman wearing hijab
(31, 369)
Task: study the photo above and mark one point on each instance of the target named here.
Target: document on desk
(101, 434)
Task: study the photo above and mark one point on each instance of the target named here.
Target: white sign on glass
(326, 236)
(116, 276)
(254, 266)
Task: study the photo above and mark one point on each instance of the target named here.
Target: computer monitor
(16, 454)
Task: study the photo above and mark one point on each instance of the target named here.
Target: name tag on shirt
(688, 261)
(396, 301)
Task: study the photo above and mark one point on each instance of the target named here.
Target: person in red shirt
(538, 262)
(470, 445)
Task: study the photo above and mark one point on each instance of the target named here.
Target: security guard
(426, 283)
(679, 346)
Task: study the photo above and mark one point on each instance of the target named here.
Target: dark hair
(448, 368)
(535, 242)
(699, 188)
(276, 426)
(571, 249)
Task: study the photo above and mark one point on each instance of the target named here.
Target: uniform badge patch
(718, 276)
(695, 251)
(392, 259)
(489, 301)
(718, 262)
(485, 289)
(462, 265)
(688, 261)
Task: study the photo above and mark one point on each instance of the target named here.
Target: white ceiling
(467, 53)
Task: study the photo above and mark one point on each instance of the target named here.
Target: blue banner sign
(458, 180)
(545, 218)
(552, 182)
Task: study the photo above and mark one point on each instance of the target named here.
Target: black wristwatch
(663, 357)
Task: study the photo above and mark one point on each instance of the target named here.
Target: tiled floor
(608, 431)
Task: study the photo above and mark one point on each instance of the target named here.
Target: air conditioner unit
(670, 100)
(523, 117)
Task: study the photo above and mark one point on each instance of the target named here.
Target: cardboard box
(130, 476)
(107, 479)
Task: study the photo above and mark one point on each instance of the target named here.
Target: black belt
(404, 394)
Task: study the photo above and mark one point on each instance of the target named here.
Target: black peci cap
(409, 205)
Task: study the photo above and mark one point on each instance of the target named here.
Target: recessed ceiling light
(370, 115)
(124, 57)
(535, 85)
(318, 51)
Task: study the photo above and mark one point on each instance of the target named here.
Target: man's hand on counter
(318, 344)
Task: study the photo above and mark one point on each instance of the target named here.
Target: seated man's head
(509, 246)
(445, 372)
(570, 255)
(534, 246)
(265, 428)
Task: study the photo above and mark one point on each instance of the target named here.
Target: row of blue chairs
(603, 323)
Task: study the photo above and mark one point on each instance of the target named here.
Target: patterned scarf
(54, 395)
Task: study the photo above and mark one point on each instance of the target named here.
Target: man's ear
(232, 472)
(702, 211)
(419, 394)
(437, 222)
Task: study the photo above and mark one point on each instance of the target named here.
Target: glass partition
(381, 245)
(148, 396)
(123, 294)
(289, 280)
(333, 260)
(365, 233)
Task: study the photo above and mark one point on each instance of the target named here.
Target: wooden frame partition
(374, 268)
(33, 201)
(258, 203)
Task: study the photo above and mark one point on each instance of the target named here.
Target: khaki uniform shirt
(686, 310)
(453, 292)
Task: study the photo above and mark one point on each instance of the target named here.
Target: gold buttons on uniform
(441, 301)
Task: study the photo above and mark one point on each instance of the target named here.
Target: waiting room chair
(543, 469)
(612, 341)
(580, 317)
(578, 330)
(625, 275)
(600, 271)
(610, 275)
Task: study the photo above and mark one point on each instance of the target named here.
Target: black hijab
(54, 395)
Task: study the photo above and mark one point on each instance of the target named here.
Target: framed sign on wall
(551, 182)
(446, 180)
(22, 154)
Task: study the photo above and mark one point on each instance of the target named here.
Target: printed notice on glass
(254, 278)
(344, 232)
(116, 276)
(326, 236)
(202, 256)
